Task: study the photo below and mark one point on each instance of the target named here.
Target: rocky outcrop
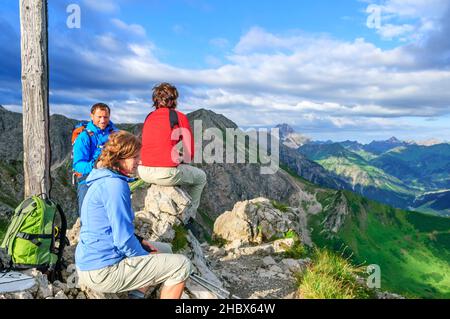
(336, 218)
(252, 251)
(257, 220)
(164, 207)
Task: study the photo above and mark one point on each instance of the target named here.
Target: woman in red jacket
(163, 129)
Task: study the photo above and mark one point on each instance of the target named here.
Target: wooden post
(36, 143)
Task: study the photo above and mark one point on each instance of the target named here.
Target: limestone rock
(268, 261)
(257, 221)
(73, 234)
(282, 245)
(164, 207)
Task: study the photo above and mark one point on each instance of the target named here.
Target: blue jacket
(107, 230)
(88, 147)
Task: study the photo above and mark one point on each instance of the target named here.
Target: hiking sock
(136, 294)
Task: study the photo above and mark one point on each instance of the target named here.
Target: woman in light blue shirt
(109, 256)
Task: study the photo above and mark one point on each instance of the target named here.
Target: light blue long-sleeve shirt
(107, 230)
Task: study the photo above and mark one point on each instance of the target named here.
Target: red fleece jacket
(159, 140)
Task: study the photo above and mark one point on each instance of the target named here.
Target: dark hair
(165, 95)
(100, 106)
(120, 145)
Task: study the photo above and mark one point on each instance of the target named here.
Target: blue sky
(349, 69)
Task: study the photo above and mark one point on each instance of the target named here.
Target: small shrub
(218, 241)
(331, 277)
(297, 251)
(291, 234)
(138, 184)
(281, 207)
(180, 241)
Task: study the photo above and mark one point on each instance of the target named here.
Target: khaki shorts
(139, 272)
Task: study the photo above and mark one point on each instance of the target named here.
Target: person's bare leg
(172, 292)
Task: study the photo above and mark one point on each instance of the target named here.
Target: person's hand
(149, 247)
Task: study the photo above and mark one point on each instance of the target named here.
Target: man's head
(100, 113)
(165, 95)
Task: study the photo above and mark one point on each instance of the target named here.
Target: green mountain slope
(425, 167)
(399, 177)
(412, 249)
(364, 178)
(434, 203)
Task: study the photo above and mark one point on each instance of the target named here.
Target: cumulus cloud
(131, 28)
(424, 24)
(390, 31)
(318, 81)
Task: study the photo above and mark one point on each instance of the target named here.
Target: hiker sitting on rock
(163, 129)
(87, 145)
(109, 257)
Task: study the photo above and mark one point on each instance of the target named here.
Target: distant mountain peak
(393, 139)
(290, 137)
(285, 129)
(211, 119)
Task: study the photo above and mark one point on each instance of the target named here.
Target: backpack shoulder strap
(62, 238)
(79, 129)
(173, 118)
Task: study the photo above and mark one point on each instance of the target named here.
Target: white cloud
(131, 28)
(257, 39)
(390, 31)
(423, 16)
(321, 76)
(213, 61)
(427, 9)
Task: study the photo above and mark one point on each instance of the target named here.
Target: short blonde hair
(121, 145)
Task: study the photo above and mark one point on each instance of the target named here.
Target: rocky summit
(246, 256)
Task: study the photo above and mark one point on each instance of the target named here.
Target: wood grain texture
(36, 145)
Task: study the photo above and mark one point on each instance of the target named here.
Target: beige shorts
(138, 272)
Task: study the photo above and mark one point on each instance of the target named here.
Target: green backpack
(36, 237)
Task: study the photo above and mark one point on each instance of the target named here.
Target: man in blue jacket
(88, 146)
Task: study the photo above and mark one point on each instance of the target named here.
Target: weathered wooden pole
(36, 143)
